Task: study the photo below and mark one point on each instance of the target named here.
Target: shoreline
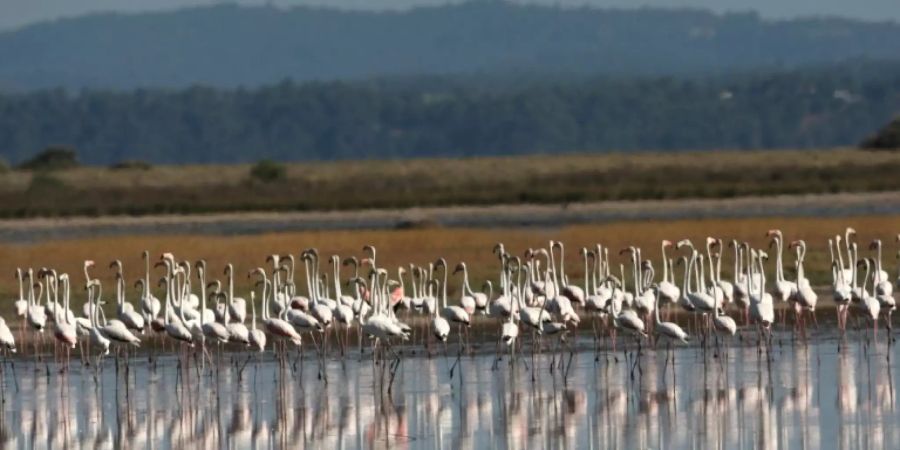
(493, 216)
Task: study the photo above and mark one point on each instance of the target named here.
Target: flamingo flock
(389, 315)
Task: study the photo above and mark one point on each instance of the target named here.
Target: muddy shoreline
(521, 215)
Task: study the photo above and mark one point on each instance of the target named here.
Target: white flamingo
(274, 325)
(573, 292)
(257, 337)
(805, 297)
(784, 290)
(124, 310)
(668, 290)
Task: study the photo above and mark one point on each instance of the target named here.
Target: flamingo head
(875, 244)
(684, 242)
(87, 263)
(666, 243)
(459, 267)
(773, 232)
(350, 260)
(116, 263)
(711, 241)
(498, 248)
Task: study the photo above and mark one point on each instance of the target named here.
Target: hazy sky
(15, 13)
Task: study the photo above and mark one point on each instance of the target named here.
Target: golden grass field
(349, 185)
(421, 246)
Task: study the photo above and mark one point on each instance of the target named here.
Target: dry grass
(421, 246)
(387, 184)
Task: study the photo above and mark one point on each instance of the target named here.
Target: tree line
(455, 116)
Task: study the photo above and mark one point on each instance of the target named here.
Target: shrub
(53, 158)
(268, 171)
(887, 138)
(131, 164)
(42, 183)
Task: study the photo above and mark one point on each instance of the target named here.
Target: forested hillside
(825, 107)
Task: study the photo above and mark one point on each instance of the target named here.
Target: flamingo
(805, 297)
(668, 291)
(124, 310)
(714, 289)
(7, 340)
(212, 330)
(740, 292)
(869, 305)
(625, 320)
(762, 309)
(274, 325)
(319, 306)
(841, 291)
(529, 315)
(883, 288)
(150, 305)
(175, 323)
(784, 290)
(116, 329)
(467, 301)
(63, 330)
(574, 293)
(453, 313)
(669, 331)
(21, 303)
(439, 325)
(237, 331)
(257, 337)
(701, 300)
(726, 286)
(36, 316)
(95, 333)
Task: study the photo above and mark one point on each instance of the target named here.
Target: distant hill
(227, 46)
(456, 116)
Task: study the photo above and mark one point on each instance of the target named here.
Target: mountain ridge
(232, 46)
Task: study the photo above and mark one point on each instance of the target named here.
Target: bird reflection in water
(805, 396)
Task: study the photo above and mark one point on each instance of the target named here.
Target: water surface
(803, 396)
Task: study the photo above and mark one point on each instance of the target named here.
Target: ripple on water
(805, 396)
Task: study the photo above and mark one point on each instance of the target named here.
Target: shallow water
(804, 396)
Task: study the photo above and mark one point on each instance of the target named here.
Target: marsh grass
(396, 247)
(348, 185)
